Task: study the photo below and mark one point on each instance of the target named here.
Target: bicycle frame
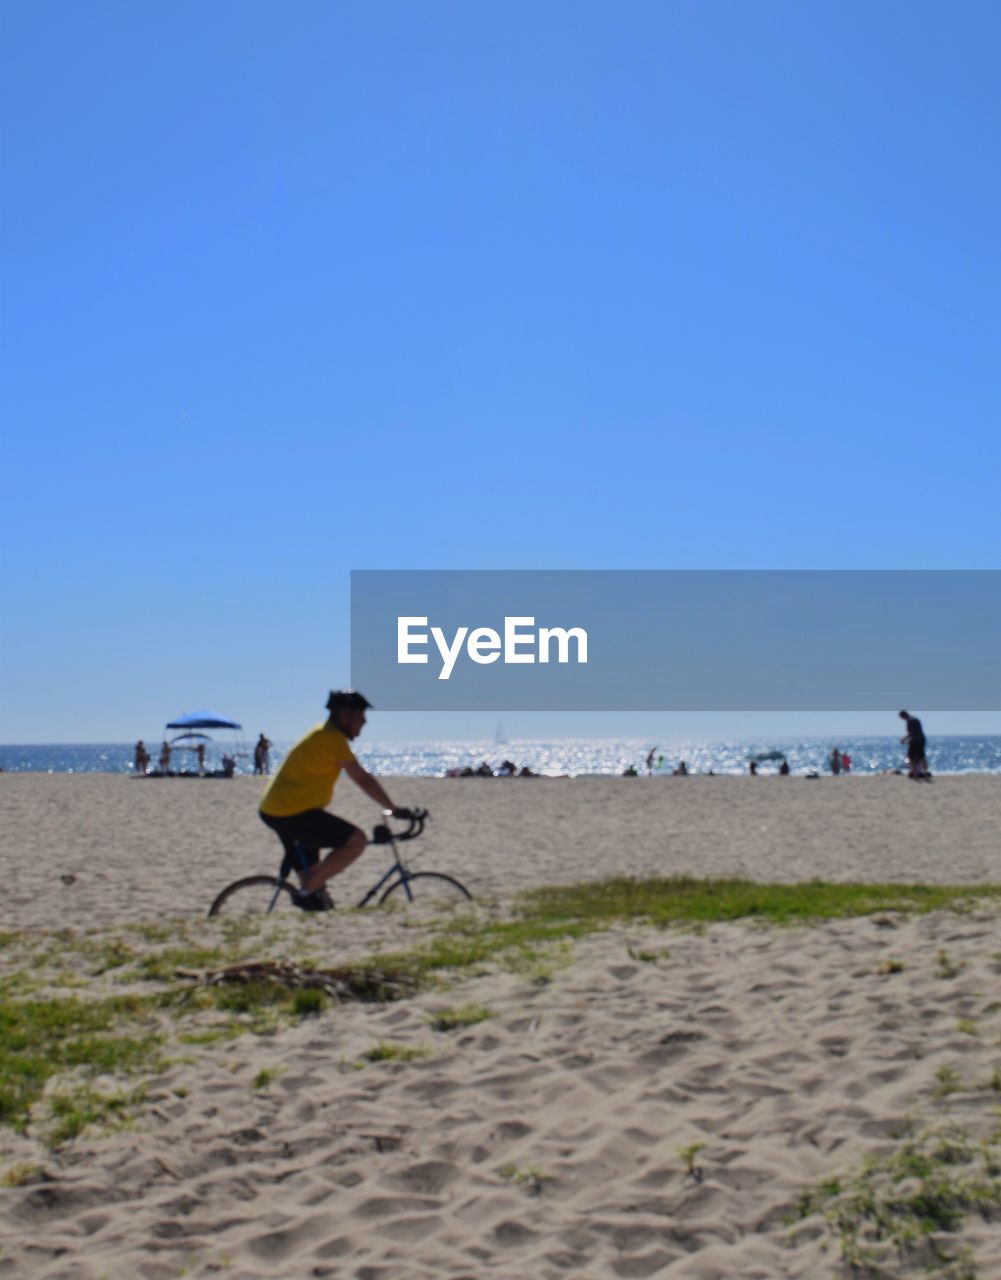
(381, 835)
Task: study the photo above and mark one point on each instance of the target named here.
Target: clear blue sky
(293, 289)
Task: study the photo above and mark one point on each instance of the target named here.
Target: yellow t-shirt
(308, 773)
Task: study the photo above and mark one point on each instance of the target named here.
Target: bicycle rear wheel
(429, 889)
(252, 896)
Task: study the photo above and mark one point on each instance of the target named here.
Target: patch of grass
(905, 1201)
(563, 913)
(266, 1076)
(84, 1107)
(153, 932)
(647, 957)
(967, 1027)
(385, 1051)
(39, 1038)
(213, 1035)
(683, 898)
(308, 1002)
(111, 954)
(8, 937)
(537, 964)
(21, 1175)
(19, 984)
(891, 966)
(455, 1019)
(949, 1081)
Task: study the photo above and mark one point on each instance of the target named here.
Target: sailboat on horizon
(499, 737)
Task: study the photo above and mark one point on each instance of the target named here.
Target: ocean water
(574, 756)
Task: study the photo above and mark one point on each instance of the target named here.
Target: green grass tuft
(903, 1202)
(39, 1038)
(309, 1002)
(454, 1019)
(385, 1051)
(84, 1107)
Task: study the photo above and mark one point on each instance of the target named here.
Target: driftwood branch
(349, 982)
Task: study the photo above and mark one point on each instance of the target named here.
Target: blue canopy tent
(193, 720)
(202, 720)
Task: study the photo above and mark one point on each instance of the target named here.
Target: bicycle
(261, 895)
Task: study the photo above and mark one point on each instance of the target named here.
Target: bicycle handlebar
(384, 835)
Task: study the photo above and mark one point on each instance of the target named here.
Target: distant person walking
(165, 756)
(142, 757)
(834, 763)
(200, 753)
(917, 748)
(649, 762)
(261, 759)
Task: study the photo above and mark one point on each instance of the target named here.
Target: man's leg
(336, 861)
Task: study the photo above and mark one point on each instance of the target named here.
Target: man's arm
(369, 784)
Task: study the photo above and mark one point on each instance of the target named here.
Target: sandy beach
(635, 1102)
(142, 848)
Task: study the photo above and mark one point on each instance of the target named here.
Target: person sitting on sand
(294, 805)
(784, 769)
(630, 772)
(484, 771)
(681, 771)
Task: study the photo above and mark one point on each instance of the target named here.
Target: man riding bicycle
(294, 805)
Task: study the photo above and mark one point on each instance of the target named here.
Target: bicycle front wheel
(253, 896)
(429, 888)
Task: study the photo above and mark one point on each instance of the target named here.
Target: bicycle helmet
(347, 700)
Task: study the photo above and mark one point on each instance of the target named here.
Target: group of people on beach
(839, 762)
(507, 769)
(142, 758)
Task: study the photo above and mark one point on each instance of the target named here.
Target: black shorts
(315, 829)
